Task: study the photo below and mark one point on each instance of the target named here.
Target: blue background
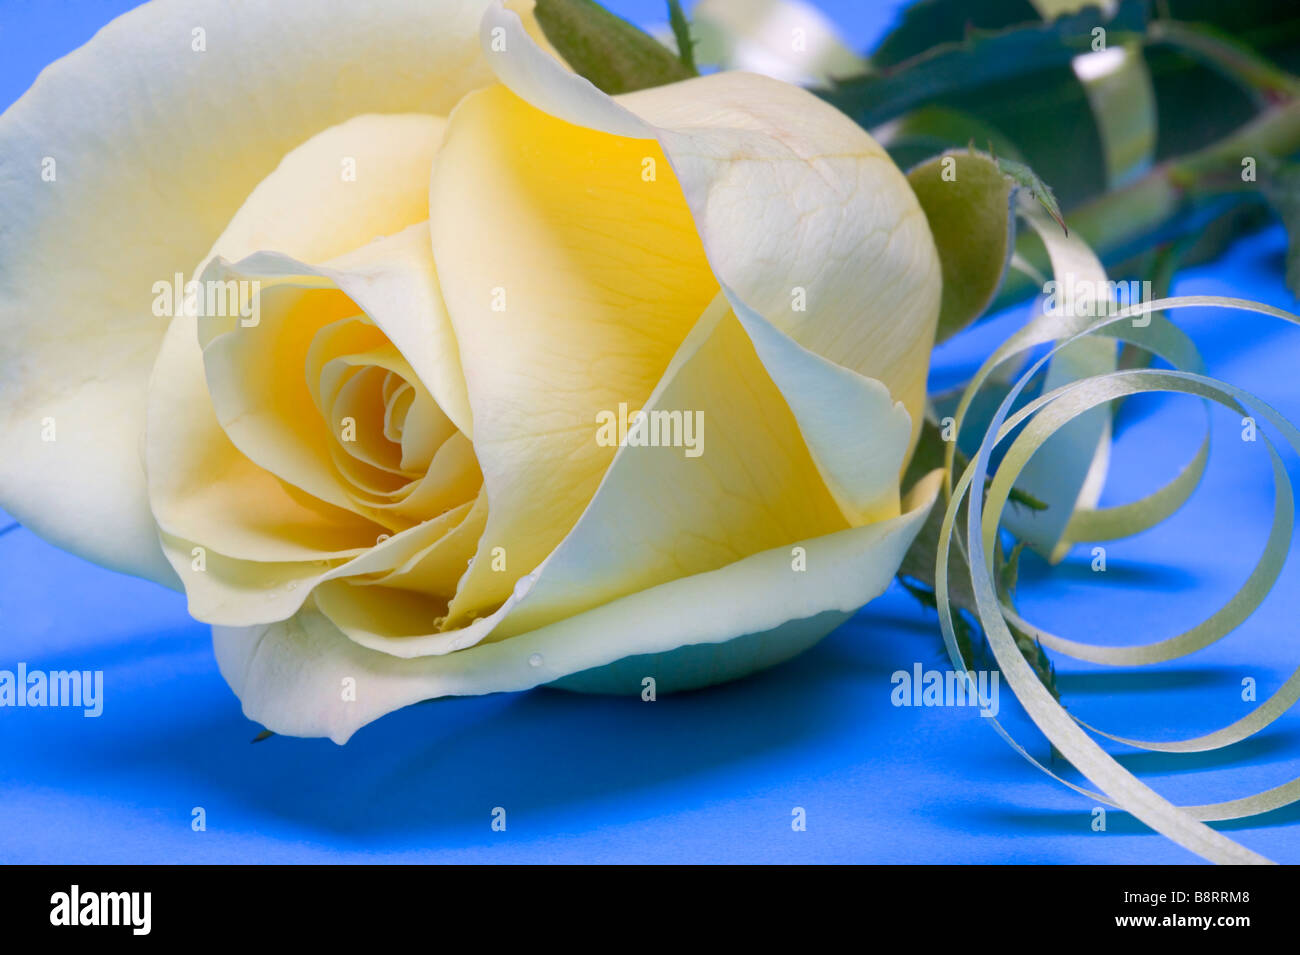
(707, 776)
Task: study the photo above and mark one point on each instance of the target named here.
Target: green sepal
(614, 55)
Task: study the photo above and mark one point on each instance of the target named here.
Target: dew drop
(536, 660)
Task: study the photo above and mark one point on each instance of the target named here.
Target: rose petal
(661, 514)
(270, 415)
(238, 592)
(290, 675)
(203, 488)
(788, 216)
(788, 195)
(597, 276)
(273, 419)
(857, 434)
(273, 414)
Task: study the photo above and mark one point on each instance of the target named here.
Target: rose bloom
(401, 457)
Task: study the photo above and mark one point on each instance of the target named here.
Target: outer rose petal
(660, 515)
(288, 674)
(570, 283)
(787, 194)
(794, 204)
(156, 145)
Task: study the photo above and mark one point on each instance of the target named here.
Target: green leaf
(1073, 133)
(928, 23)
(1228, 55)
(1270, 27)
(614, 55)
(980, 57)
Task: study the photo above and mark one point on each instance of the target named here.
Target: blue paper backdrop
(708, 776)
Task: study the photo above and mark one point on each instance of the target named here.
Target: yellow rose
(486, 380)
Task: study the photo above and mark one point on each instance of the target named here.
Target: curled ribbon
(1028, 429)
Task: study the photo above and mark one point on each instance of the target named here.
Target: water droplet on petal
(536, 660)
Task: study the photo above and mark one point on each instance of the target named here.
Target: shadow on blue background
(712, 775)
